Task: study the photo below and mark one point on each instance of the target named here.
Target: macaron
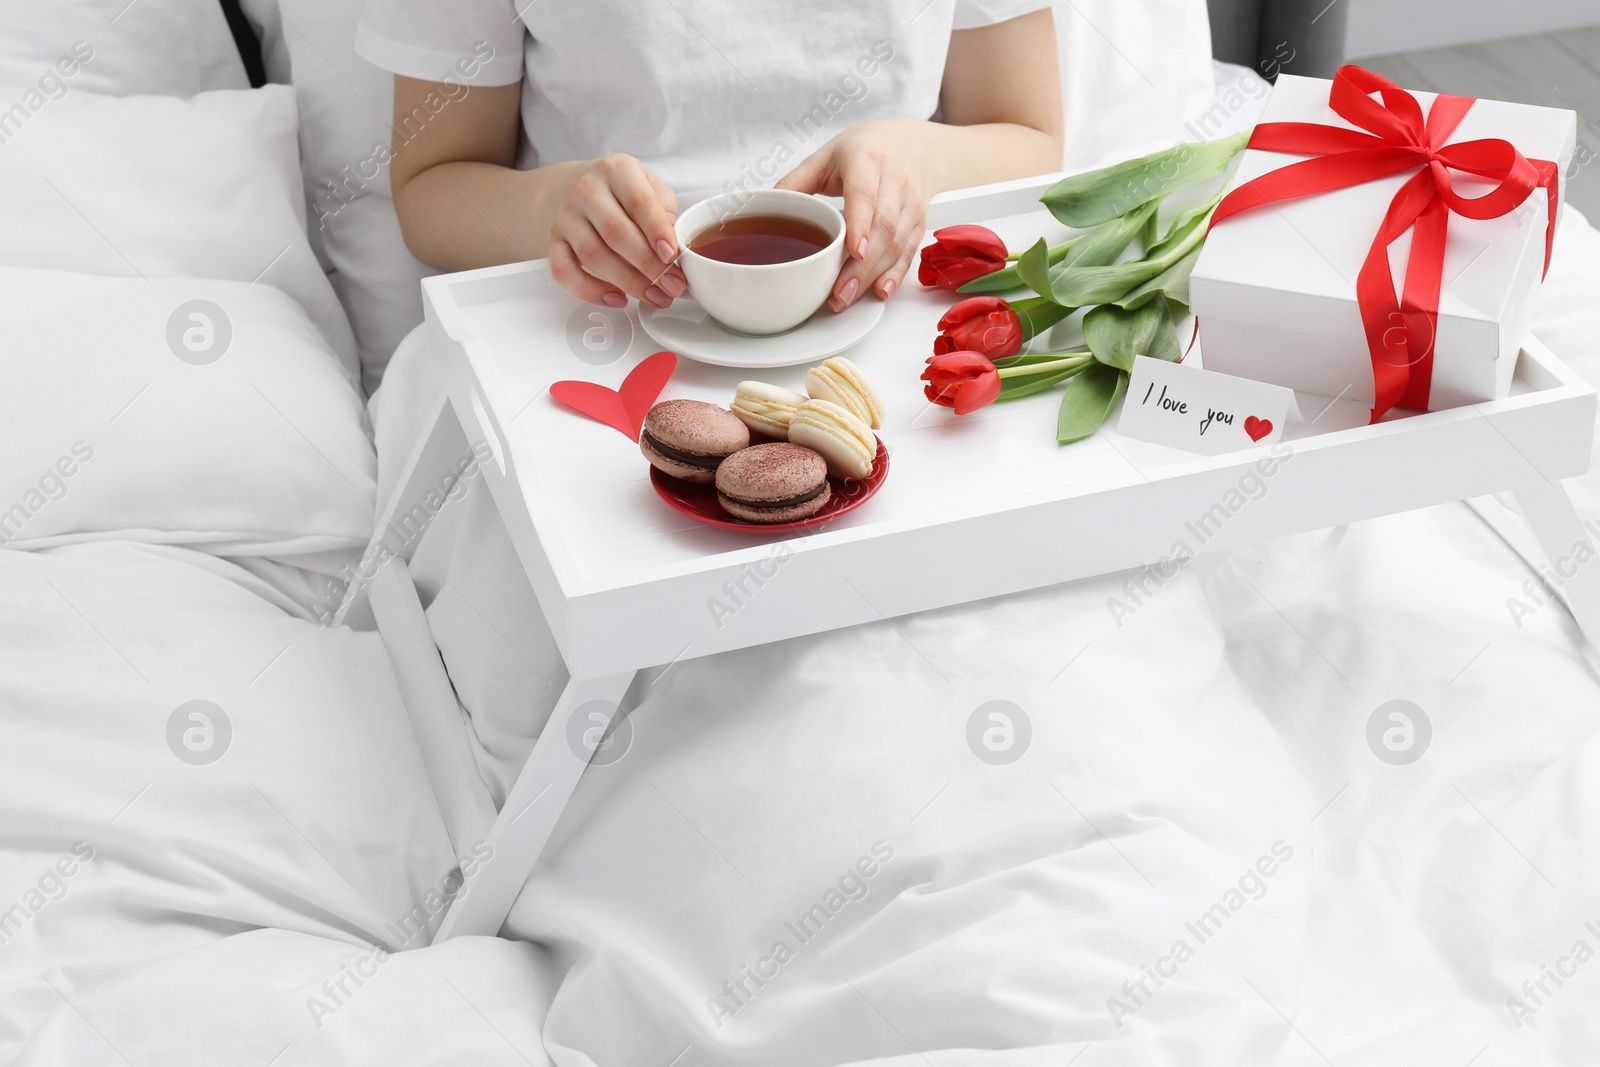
(766, 408)
(689, 439)
(842, 439)
(841, 382)
(773, 483)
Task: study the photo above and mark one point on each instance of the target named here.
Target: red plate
(699, 502)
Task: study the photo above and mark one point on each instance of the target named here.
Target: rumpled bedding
(1032, 907)
(816, 852)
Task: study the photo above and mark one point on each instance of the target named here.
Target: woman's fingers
(622, 234)
(616, 231)
(811, 176)
(886, 239)
(830, 173)
(860, 209)
(571, 276)
(858, 184)
(601, 260)
(634, 191)
(884, 215)
(910, 219)
(890, 279)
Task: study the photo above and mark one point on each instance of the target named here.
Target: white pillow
(114, 425)
(345, 108)
(156, 47)
(157, 187)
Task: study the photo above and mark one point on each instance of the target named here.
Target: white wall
(1378, 27)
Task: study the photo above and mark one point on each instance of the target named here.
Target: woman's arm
(606, 224)
(1001, 105)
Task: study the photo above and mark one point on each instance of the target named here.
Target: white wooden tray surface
(626, 581)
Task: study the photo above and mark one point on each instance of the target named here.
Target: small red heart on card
(623, 408)
(1257, 428)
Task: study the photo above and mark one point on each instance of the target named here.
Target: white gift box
(1275, 286)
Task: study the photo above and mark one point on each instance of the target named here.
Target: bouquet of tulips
(1131, 304)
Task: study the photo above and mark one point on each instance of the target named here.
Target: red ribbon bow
(1400, 330)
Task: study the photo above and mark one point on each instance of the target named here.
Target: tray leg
(442, 444)
(532, 807)
(1572, 565)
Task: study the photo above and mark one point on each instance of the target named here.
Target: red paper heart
(1257, 428)
(625, 408)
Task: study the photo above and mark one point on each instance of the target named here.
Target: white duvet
(217, 895)
(1431, 912)
(802, 859)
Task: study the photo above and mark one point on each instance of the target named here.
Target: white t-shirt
(711, 95)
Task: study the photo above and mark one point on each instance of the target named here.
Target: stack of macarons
(836, 419)
(826, 433)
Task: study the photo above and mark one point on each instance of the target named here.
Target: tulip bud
(965, 381)
(959, 254)
(983, 324)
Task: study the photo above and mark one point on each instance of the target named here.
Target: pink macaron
(773, 483)
(689, 439)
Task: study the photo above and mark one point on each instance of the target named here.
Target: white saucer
(686, 329)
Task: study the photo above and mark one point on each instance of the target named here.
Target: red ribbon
(1400, 329)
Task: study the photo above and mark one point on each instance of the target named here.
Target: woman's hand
(613, 235)
(1001, 118)
(883, 171)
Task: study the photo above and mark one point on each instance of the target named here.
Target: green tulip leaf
(1088, 401)
(1165, 344)
(1183, 225)
(1086, 286)
(1101, 246)
(1096, 196)
(1039, 315)
(1039, 357)
(1009, 277)
(1173, 283)
(1115, 334)
(1014, 388)
(1001, 281)
(1033, 269)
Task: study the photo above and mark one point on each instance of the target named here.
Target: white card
(1199, 410)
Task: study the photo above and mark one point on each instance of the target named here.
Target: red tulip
(959, 254)
(984, 324)
(965, 381)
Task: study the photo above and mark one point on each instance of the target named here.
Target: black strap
(245, 38)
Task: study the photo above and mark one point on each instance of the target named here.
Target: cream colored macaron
(766, 408)
(841, 438)
(841, 382)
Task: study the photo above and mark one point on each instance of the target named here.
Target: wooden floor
(1551, 69)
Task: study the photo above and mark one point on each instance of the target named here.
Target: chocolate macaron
(689, 439)
(773, 483)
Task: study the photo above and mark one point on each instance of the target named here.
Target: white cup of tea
(761, 262)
